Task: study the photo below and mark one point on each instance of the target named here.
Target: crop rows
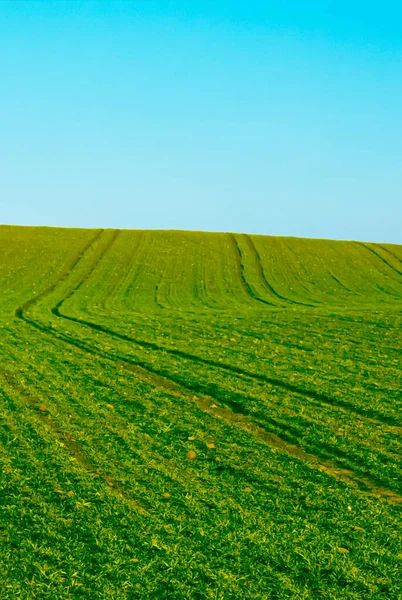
(277, 361)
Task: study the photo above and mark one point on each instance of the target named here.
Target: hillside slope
(276, 361)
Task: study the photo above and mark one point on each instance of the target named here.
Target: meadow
(191, 415)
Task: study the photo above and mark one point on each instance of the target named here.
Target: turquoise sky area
(275, 117)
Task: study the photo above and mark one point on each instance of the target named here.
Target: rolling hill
(199, 415)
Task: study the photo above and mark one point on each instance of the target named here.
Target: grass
(275, 361)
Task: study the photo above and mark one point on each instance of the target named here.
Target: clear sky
(279, 117)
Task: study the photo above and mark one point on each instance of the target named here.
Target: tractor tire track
(317, 397)
(240, 269)
(397, 258)
(339, 282)
(390, 424)
(55, 309)
(264, 279)
(206, 403)
(164, 380)
(19, 312)
(157, 377)
(370, 249)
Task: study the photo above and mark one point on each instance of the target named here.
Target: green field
(276, 361)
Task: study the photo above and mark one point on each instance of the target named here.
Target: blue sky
(279, 117)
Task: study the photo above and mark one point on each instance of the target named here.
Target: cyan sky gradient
(275, 117)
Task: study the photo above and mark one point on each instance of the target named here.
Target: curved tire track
(370, 249)
(240, 268)
(315, 396)
(395, 256)
(206, 402)
(19, 312)
(161, 380)
(264, 279)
